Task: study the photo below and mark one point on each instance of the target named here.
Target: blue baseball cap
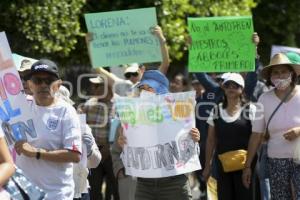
(156, 80)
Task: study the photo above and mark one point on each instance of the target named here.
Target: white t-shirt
(285, 118)
(57, 127)
(228, 118)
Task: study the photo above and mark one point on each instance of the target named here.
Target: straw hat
(289, 58)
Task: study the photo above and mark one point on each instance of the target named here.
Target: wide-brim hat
(290, 58)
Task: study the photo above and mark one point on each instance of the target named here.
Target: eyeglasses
(47, 80)
(232, 85)
(129, 74)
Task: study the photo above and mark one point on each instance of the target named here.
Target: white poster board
(157, 130)
(283, 49)
(15, 115)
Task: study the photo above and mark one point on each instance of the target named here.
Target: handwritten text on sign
(157, 131)
(221, 44)
(15, 115)
(123, 37)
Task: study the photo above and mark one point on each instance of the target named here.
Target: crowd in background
(251, 111)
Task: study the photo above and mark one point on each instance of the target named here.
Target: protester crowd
(248, 130)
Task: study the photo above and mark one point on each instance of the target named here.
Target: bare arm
(112, 78)
(164, 66)
(115, 154)
(209, 151)
(254, 142)
(60, 155)
(7, 168)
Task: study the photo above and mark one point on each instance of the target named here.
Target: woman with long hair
(229, 132)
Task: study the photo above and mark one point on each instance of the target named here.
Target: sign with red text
(221, 44)
(157, 131)
(123, 37)
(15, 114)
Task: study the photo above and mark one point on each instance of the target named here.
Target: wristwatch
(38, 154)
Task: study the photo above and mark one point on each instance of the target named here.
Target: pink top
(285, 118)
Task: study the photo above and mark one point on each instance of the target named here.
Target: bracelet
(38, 154)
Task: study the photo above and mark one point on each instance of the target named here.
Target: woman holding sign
(228, 135)
(172, 187)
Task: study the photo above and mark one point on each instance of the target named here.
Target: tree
(55, 28)
(173, 14)
(277, 22)
(38, 28)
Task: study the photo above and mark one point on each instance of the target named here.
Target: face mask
(282, 84)
(145, 94)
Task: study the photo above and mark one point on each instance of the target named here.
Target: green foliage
(173, 13)
(51, 25)
(48, 26)
(277, 22)
(55, 28)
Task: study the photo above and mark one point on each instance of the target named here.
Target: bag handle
(267, 135)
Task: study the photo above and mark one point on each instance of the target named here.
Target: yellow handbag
(233, 160)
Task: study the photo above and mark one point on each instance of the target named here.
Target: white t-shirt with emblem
(57, 127)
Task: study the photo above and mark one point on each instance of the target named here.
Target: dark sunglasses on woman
(231, 84)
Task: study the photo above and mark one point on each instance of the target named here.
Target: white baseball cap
(96, 80)
(235, 77)
(132, 68)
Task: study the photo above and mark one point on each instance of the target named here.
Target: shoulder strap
(273, 113)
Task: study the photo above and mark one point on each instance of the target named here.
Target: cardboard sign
(15, 114)
(283, 49)
(221, 44)
(157, 131)
(123, 37)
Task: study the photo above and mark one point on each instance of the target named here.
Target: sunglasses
(47, 80)
(231, 84)
(129, 74)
